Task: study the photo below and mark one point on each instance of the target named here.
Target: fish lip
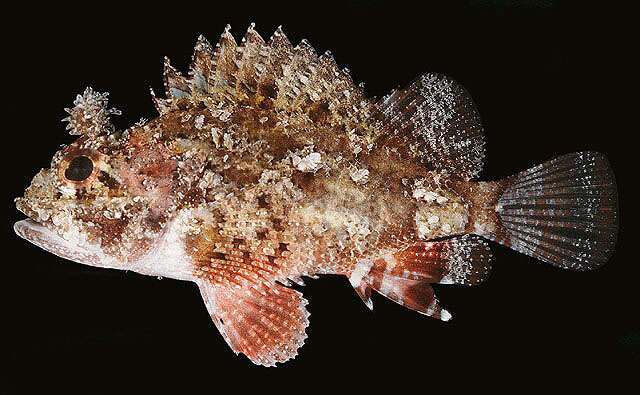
(45, 238)
(22, 227)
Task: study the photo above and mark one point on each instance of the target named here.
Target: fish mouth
(45, 238)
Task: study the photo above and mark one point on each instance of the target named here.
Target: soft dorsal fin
(435, 121)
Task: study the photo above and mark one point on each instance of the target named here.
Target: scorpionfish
(267, 163)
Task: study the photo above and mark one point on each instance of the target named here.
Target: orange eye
(79, 169)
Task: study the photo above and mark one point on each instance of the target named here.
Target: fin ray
(563, 211)
(267, 324)
(405, 276)
(413, 294)
(435, 120)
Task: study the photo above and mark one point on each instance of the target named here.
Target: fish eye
(79, 169)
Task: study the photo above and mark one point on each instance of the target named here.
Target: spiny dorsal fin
(280, 53)
(435, 121)
(162, 105)
(295, 78)
(295, 75)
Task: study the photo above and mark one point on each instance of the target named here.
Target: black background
(536, 72)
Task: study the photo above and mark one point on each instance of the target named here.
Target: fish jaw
(45, 238)
(166, 259)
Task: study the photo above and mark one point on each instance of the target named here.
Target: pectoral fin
(265, 323)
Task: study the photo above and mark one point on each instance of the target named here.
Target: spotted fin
(435, 121)
(265, 323)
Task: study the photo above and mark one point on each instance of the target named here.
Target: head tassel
(90, 114)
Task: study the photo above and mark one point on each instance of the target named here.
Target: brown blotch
(266, 104)
(262, 202)
(110, 229)
(107, 180)
(193, 196)
(182, 103)
(283, 247)
(269, 90)
(155, 222)
(319, 111)
(277, 224)
(81, 193)
(303, 180)
(218, 255)
(240, 177)
(261, 234)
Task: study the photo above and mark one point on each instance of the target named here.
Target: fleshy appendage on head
(85, 207)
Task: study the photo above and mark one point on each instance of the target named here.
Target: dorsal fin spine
(202, 66)
(252, 62)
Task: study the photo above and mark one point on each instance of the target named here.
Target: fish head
(84, 208)
(107, 198)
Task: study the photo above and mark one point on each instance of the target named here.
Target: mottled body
(267, 164)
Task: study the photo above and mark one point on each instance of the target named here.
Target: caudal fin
(564, 211)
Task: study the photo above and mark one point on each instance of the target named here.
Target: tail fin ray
(564, 211)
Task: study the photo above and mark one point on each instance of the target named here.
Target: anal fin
(265, 323)
(405, 276)
(464, 260)
(413, 294)
(363, 290)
